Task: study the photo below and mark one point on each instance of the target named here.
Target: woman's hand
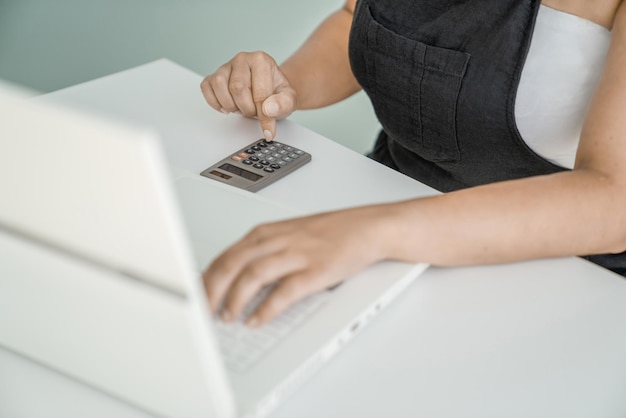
(300, 256)
(252, 84)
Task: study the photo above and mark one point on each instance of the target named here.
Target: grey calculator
(258, 165)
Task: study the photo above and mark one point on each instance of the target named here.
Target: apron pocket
(414, 89)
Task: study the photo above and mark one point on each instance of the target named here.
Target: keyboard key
(241, 346)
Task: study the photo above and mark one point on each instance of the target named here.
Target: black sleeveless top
(442, 76)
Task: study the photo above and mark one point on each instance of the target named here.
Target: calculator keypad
(271, 152)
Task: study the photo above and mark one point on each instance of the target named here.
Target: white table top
(538, 339)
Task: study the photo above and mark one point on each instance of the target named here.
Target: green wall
(50, 44)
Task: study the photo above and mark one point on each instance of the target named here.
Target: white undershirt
(563, 66)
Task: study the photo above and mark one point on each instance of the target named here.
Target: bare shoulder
(603, 140)
(614, 8)
(349, 6)
(619, 23)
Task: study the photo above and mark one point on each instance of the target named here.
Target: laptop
(101, 248)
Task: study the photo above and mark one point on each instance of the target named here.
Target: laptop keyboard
(242, 347)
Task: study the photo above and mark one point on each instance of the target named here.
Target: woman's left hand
(300, 256)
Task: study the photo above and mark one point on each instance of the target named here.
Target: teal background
(47, 45)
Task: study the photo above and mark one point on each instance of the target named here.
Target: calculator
(258, 165)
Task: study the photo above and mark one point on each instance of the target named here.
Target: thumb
(276, 106)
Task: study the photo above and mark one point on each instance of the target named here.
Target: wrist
(387, 234)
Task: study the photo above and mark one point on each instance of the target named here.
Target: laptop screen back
(97, 280)
(90, 188)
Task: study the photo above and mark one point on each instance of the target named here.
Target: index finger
(262, 88)
(220, 274)
(289, 290)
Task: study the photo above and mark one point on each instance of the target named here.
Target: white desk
(539, 339)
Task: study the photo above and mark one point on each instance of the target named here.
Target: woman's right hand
(252, 84)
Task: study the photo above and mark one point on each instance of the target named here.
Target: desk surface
(539, 339)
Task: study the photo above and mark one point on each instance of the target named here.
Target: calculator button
(281, 162)
(275, 166)
(270, 159)
(278, 144)
(277, 155)
(243, 155)
(256, 148)
(253, 158)
(264, 162)
(250, 151)
(258, 165)
(268, 169)
(287, 159)
(273, 148)
(262, 144)
(299, 152)
(247, 162)
(293, 155)
(266, 151)
(282, 151)
(289, 148)
(236, 158)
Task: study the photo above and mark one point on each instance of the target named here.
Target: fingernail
(268, 135)
(270, 109)
(252, 322)
(224, 111)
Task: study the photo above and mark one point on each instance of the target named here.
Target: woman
(453, 83)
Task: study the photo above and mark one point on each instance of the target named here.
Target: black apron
(442, 76)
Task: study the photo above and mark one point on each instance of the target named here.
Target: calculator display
(240, 172)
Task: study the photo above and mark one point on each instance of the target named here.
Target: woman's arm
(316, 75)
(320, 70)
(570, 213)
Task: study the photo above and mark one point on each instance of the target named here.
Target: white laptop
(101, 250)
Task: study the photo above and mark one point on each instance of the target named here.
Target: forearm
(319, 70)
(572, 213)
